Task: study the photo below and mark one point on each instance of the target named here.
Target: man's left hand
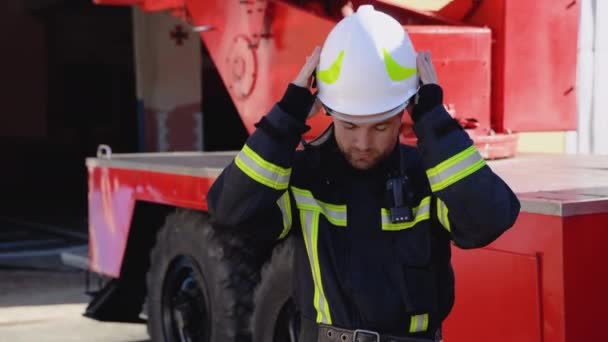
(430, 93)
(426, 70)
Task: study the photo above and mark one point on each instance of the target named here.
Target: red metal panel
(112, 197)
(533, 60)
(532, 235)
(586, 276)
(462, 59)
(498, 298)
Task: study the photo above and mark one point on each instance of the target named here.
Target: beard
(364, 159)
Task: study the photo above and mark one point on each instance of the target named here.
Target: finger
(424, 63)
(419, 60)
(308, 68)
(311, 62)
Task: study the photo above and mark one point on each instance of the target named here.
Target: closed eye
(380, 128)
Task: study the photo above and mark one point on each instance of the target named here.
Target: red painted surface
(586, 281)
(258, 47)
(461, 55)
(526, 95)
(545, 276)
(112, 196)
(535, 236)
(533, 60)
(497, 297)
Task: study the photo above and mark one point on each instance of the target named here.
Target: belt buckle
(367, 332)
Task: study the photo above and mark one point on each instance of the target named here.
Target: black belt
(313, 332)
(333, 334)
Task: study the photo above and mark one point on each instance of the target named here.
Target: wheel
(275, 317)
(200, 284)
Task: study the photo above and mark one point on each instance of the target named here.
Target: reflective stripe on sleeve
(262, 171)
(455, 168)
(442, 214)
(421, 212)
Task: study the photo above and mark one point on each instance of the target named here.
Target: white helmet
(367, 66)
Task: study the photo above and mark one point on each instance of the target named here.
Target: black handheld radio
(400, 196)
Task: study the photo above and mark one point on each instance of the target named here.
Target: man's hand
(426, 70)
(430, 93)
(304, 79)
(305, 76)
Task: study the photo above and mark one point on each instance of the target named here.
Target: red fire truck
(506, 67)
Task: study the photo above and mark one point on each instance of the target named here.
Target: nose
(362, 141)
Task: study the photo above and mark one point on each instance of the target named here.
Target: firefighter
(372, 219)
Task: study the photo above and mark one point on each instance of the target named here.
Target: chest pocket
(411, 240)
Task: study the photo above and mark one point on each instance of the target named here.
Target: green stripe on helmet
(332, 74)
(395, 71)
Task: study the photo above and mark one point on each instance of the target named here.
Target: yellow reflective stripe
(395, 71)
(334, 213)
(310, 230)
(331, 74)
(262, 171)
(284, 204)
(310, 211)
(419, 323)
(421, 212)
(442, 214)
(455, 168)
(265, 164)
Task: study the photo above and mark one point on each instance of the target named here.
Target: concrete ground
(43, 305)
(42, 299)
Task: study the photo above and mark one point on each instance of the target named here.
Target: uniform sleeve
(472, 202)
(251, 195)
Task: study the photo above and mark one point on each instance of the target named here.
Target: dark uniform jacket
(354, 267)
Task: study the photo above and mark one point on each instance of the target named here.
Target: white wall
(591, 136)
(168, 82)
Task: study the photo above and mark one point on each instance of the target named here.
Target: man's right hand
(304, 78)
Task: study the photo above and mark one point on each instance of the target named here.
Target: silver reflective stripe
(454, 169)
(442, 214)
(262, 171)
(419, 323)
(284, 204)
(310, 227)
(334, 213)
(421, 212)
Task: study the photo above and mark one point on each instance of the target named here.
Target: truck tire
(275, 318)
(200, 284)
